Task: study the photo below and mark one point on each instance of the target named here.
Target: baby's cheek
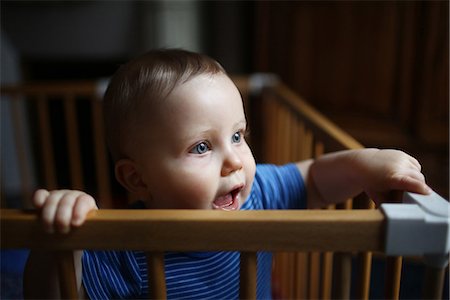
(195, 193)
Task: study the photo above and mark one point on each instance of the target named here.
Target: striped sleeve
(279, 187)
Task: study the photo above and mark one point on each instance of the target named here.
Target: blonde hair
(147, 79)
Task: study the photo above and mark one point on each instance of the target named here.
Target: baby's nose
(231, 163)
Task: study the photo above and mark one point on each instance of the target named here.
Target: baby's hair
(144, 80)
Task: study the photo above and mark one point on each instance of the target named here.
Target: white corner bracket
(259, 81)
(100, 87)
(419, 226)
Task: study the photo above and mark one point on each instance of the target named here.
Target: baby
(176, 129)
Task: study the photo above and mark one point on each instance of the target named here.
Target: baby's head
(175, 126)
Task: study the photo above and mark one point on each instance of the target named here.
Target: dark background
(379, 69)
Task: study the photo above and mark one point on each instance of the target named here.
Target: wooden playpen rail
(246, 231)
(284, 128)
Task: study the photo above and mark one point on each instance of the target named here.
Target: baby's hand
(61, 209)
(385, 171)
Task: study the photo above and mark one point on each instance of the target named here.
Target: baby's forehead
(192, 92)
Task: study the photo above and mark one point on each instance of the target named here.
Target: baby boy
(176, 129)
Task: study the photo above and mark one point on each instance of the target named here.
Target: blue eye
(200, 148)
(236, 138)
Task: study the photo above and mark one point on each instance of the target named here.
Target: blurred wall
(10, 176)
(78, 40)
(99, 29)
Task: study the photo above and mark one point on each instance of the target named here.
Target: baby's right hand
(61, 209)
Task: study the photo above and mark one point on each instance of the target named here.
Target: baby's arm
(60, 210)
(335, 177)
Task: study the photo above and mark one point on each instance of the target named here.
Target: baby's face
(195, 156)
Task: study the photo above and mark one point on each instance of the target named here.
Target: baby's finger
(415, 162)
(39, 198)
(63, 213)
(410, 184)
(83, 205)
(414, 174)
(48, 211)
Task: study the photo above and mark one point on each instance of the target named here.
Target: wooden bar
(393, 276)
(362, 201)
(327, 275)
(156, 275)
(248, 275)
(187, 230)
(73, 143)
(281, 273)
(301, 275)
(46, 143)
(67, 275)
(296, 139)
(314, 149)
(290, 274)
(269, 128)
(433, 283)
(334, 137)
(363, 280)
(314, 275)
(284, 259)
(308, 144)
(342, 275)
(101, 157)
(281, 134)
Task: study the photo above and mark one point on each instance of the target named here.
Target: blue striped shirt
(197, 275)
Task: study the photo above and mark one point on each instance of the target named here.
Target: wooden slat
(316, 149)
(300, 280)
(284, 260)
(362, 201)
(334, 137)
(289, 275)
(342, 275)
(434, 283)
(67, 276)
(393, 276)
(270, 146)
(101, 157)
(247, 287)
(327, 275)
(363, 280)
(284, 132)
(73, 143)
(281, 273)
(187, 230)
(46, 143)
(313, 275)
(327, 269)
(156, 275)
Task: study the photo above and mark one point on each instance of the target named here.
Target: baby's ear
(129, 176)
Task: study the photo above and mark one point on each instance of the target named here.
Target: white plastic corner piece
(419, 226)
(101, 86)
(259, 81)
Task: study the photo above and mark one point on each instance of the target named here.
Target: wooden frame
(286, 128)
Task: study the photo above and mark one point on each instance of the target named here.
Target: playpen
(315, 250)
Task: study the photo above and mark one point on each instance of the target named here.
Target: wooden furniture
(321, 243)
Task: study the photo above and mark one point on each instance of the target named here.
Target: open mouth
(229, 201)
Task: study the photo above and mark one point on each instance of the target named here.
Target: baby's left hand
(383, 172)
